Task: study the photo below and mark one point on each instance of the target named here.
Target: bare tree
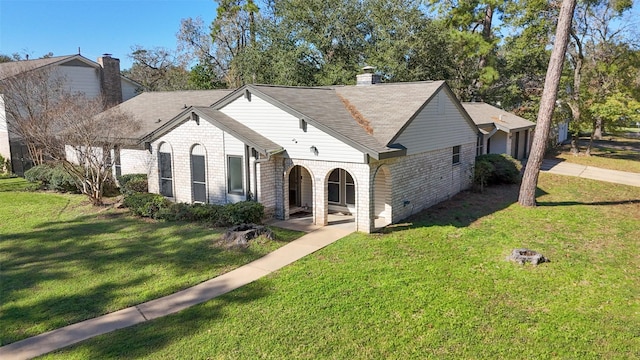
(85, 143)
(66, 128)
(527, 196)
(29, 99)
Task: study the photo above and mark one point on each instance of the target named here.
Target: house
(380, 152)
(502, 132)
(80, 75)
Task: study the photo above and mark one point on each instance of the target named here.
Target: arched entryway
(341, 195)
(382, 197)
(300, 194)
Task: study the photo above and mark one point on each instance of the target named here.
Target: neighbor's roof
(384, 110)
(13, 68)
(483, 114)
(151, 110)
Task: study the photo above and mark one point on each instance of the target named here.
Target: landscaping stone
(522, 256)
(240, 235)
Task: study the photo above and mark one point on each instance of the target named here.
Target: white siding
(498, 143)
(129, 90)
(284, 129)
(83, 79)
(439, 125)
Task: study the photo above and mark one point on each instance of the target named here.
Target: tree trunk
(597, 129)
(575, 148)
(527, 196)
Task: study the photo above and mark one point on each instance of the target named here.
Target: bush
(244, 212)
(133, 183)
(495, 169)
(157, 207)
(146, 204)
(52, 177)
(5, 166)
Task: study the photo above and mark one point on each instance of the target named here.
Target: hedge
(52, 177)
(133, 183)
(158, 207)
(495, 169)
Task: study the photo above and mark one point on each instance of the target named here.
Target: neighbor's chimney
(368, 77)
(110, 80)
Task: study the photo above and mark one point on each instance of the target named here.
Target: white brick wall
(426, 179)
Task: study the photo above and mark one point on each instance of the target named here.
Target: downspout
(247, 167)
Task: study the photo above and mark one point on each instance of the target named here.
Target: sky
(37, 27)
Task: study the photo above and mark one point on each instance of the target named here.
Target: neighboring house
(502, 132)
(381, 152)
(81, 75)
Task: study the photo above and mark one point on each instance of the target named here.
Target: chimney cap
(368, 69)
(106, 55)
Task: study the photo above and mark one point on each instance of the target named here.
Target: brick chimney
(110, 80)
(368, 77)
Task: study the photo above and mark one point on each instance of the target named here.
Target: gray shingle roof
(483, 114)
(13, 68)
(153, 109)
(383, 109)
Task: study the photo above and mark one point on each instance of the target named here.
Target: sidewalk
(57, 339)
(589, 172)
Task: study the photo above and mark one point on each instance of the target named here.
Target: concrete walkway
(589, 172)
(305, 245)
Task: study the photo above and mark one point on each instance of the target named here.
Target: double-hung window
(235, 183)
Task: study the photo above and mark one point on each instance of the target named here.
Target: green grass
(435, 287)
(613, 152)
(15, 184)
(63, 261)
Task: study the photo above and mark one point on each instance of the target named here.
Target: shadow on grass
(596, 203)
(463, 209)
(59, 251)
(141, 340)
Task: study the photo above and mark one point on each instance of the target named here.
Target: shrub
(244, 212)
(146, 204)
(494, 169)
(157, 207)
(52, 177)
(133, 183)
(5, 166)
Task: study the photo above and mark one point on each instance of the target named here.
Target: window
(334, 186)
(456, 155)
(479, 145)
(117, 163)
(341, 188)
(234, 175)
(166, 174)
(350, 189)
(198, 174)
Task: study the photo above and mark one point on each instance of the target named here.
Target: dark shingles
(483, 113)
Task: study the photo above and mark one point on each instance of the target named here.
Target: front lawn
(613, 152)
(63, 261)
(438, 286)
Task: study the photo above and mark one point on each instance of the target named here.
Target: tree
(51, 120)
(158, 69)
(30, 99)
(527, 196)
(84, 147)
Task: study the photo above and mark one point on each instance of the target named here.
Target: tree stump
(240, 235)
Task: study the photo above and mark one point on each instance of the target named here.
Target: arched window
(341, 188)
(165, 170)
(198, 174)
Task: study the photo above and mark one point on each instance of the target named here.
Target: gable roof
(14, 68)
(151, 110)
(221, 121)
(484, 114)
(366, 117)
